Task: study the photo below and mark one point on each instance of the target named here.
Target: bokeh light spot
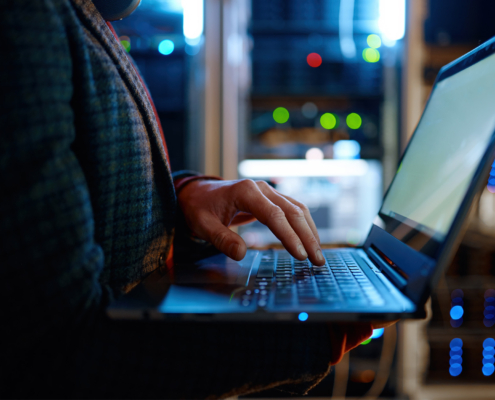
(455, 369)
(166, 47)
(488, 357)
(126, 45)
(309, 110)
(371, 55)
(366, 376)
(281, 115)
(303, 316)
(366, 341)
(488, 369)
(374, 41)
(455, 357)
(354, 121)
(456, 312)
(489, 311)
(314, 154)
(328, 121)
(314, 60)
(346, 150)
(377, 333)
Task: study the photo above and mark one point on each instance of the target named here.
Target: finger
(228, 242)
(297, 219)
(307, 215)
(248, 198)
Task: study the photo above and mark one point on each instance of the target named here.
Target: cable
(385, 363)
(341, 378)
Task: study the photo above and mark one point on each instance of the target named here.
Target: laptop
(410, 244)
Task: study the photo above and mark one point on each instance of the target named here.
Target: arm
(49, 260)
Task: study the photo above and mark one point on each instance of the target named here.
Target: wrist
(182, 182)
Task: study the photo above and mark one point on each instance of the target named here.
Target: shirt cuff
(183, 178)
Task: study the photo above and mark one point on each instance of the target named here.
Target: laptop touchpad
(215, 269)
(208, 285)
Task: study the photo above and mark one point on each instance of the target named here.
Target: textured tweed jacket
(87, 209)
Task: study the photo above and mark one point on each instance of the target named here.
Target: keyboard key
(265, 270)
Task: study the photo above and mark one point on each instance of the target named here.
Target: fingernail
(301, 251)
(319, 256)
(233, 250)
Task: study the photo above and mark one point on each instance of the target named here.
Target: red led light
(314, 60)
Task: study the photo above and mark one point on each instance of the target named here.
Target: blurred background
(319, 98)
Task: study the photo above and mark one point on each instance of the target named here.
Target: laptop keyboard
(340, 280)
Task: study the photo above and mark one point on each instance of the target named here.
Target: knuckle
(248, 183)
(245, 185)
(220, 239)
(296, 212)
(276, 214)
(303, 207)
(314, 243)
(263, 185)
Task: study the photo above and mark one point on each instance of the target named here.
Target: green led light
(366, 341)
(374, 41)
(400, 167)
(371, 55)
(126, 45)
(281, 115)
(354, 121)
(328, 121)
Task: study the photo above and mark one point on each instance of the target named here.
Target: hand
(209, 207)
(383, 324)
(346, 336)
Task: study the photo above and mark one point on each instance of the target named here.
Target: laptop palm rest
(208, 285)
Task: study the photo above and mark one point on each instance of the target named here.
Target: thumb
(228, 242)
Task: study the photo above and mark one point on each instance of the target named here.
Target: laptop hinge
(386, 269)
(407, 304)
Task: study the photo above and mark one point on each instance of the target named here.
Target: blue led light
(489, 312)
(456, 312)
(455, 357)
(488, 357)
(488, 352)
(456, 309)
(455, 369)
(458, 301)
(166, 47)
(377, 333)
(488, 369)
(303, 316)
(455, 353)
(455, 360)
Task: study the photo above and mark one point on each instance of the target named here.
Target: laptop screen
(444, 154)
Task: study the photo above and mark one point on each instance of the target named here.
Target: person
(89, 207)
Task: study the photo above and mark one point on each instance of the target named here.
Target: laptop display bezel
(415, 252)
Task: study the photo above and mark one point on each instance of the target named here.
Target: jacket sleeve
(49, 261)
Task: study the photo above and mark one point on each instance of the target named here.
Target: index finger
(249, 198)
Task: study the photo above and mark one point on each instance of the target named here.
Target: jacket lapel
(97, 25)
